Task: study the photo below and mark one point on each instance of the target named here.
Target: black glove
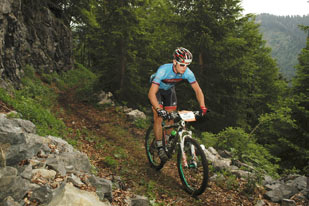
(162, 113)
(198, 115)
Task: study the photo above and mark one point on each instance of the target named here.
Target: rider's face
(180, 68)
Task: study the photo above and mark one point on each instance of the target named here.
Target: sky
(276, 7)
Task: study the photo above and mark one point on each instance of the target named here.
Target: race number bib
(187, 116)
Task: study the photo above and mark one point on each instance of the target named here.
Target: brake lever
(172, 115)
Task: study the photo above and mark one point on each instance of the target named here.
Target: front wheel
(192, 167)
(151, 149)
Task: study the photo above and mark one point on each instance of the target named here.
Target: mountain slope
(285, 38)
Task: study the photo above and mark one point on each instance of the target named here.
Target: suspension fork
(182, 136)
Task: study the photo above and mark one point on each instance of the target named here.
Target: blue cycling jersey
(167, 78)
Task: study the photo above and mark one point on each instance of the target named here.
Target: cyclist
(162, 93)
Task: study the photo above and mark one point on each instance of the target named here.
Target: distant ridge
(284, 38)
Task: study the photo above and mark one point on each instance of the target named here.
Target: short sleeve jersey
(167, 78)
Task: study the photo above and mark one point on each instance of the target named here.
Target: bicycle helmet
(183, 56)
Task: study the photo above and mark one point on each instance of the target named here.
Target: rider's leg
(157, 128)
(168, 99)
(157, 125)
(170, 109)
(171, 105)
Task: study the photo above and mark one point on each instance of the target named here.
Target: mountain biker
(162, 94)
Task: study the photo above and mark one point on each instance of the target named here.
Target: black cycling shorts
(167, 98)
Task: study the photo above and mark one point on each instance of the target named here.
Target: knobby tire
(151, 151)
(195, 178)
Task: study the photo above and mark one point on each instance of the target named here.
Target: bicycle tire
(151, 151)
(194, 178)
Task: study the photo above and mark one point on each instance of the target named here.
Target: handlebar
(175, 115)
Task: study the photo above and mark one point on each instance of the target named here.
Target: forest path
(115, 147)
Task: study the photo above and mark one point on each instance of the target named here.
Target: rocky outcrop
(284, 188)
(36, 170)
(32, 33)
(279, 191)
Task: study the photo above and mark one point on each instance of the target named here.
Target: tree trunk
(123, 64)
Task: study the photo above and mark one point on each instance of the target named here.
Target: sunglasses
(182, 65)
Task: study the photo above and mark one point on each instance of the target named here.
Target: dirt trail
(118, 151)
(116, 148)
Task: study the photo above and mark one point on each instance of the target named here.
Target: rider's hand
(162, 113)
(203, 110)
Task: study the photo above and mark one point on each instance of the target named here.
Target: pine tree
(301, 106)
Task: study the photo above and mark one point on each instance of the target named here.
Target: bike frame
(182, 134)
(191, 160)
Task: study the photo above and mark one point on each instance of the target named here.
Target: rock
(71, 196)
(42, 194)
(5, 7)
(105, 98)
(136, 114)
(241, 173)
(103, 187)
(9, 201)
(222, 163)
(35, 164)
(11, 184)
(260, 203)
(75, 180)
(20, 44)
(280, 193)
(287, 202)
(44, 173)
(139, 201)
(127, 109)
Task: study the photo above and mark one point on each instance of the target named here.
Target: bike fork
(194, 158)
(182, 146)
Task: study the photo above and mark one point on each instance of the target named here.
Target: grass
(35, 100)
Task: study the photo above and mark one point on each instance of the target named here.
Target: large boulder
(32, 33)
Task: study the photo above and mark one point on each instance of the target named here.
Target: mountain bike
(191, 160)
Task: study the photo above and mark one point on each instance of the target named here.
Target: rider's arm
(152, 96)
(199, 94)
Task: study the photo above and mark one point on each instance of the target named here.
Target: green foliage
(244, 148)
(279, 133)
(124, 42)
(141, 123)
(285, 38)
(35, 99)
(82, 80)
(232, 182)
(227, 180)
(120, 154)
(209, 139)
(251, 185)
(284, 130)
(110, 162)
(151, 185)
(32, 87)
(33, 102)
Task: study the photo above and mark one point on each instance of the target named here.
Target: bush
(82, 80)
(244, 148)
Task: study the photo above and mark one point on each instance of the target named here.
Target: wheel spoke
(194, 175)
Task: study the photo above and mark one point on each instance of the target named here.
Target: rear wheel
(193, 167)
(151, 149)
